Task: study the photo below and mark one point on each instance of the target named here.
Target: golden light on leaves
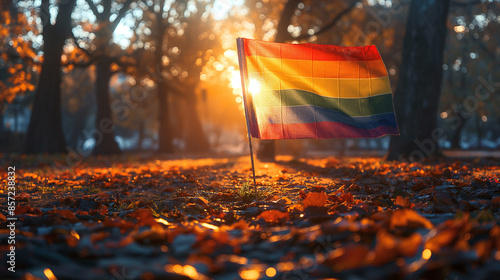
(210, 226)
(75, 234)
(187, 270)
(49, 274)
(162, 221)
(190, 271)
(426, 254)
(271, 272)
(285, 266)
(249, 274)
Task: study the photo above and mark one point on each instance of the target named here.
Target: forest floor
(316, 218)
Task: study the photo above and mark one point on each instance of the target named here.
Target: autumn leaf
(408, 218)
(443, 238)
(64, 213)
(155, 235)
(348, 257)
(273, 216)
(389, 247)
(21, 209)
(144, 216)
(495, 203)
(409, 246)
(22, 196)
(316, 199)
(403, 202)
(98, 236)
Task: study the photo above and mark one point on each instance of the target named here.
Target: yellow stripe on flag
(330, 87)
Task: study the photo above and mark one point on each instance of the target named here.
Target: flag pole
(253, 165)
(243, 75)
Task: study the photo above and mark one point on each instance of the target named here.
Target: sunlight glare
(254, 87)
(221, 8)
(235, 79)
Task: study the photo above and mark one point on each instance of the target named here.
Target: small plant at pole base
(247, 193)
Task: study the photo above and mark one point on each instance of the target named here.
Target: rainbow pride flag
(293, 91)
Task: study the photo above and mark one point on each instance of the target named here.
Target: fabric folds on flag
(294, 91)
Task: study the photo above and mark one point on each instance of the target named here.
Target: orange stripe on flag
(318, 68)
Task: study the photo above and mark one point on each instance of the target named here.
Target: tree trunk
(417, 94)
(457, 134)
(479, 131)
(2, 126)
(142, 129)
(104, 133)
(196, 140)
(15, 106)
(267, 149)
(164, 134)
(45, 134)
(165, 138)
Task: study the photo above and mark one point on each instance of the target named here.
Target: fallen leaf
(403, 202)
(64, 213)
(409, 246)
(348, 257)
(317, 199)
(408, 218)
(443, 238)
(273, 216)
(23, 196)
(98, 236)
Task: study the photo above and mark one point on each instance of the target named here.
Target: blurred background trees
(419, 84)
(107, 76)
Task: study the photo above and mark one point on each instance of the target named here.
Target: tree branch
(116, 60)
(93, 7)
(78, 45)
(23, 58)
(121, 14)
(282, 34)
(45, 14)
(331, 23)
(83, 64)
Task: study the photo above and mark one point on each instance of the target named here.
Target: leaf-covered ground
(350, 218)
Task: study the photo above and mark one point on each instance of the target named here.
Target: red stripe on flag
(310, 51)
